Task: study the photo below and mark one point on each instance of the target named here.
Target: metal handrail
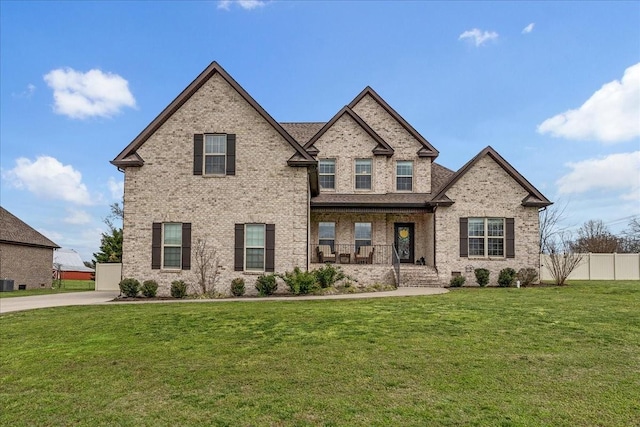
(396, 265)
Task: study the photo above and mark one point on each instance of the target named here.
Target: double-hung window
(254, 247)
(327, 174)
(363, 234)
(363, 174)
(404, 176)
(172, 245)
(327, 234)
(215, 154)
(486, 237)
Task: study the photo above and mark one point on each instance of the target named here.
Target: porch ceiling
(402, 202)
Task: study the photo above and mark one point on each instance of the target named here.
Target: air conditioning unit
(6, 285)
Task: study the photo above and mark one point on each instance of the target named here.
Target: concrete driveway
(8, 305)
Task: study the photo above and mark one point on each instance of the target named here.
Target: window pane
(476, 227)
(363, 182)
(327, 230)
(255, 235)
(255, 259)
(327, 166)
(363, 166)
(215, 144)
(327, 181)
(476, 247)
(404, 169)
(172, 257)
(496, 247)
(214, 165)
(173, 234)
(403, 183)
(495, 227)
(363, 231)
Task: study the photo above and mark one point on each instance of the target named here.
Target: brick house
(26, 256)
(361, 190)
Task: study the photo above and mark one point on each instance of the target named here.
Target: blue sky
(553, 86)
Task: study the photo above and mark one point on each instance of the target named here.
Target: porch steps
(419, 276)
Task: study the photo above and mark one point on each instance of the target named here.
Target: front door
(403, 238)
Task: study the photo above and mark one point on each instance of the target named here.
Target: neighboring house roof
(534, 199)
(15, 231)
(302, 132)
(129, 157)
(427, 149)
(69, 260)
(381, 149)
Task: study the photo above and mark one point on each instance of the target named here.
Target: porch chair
(365, 255)
(325, 254)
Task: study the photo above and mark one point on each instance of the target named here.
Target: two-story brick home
(361, 190)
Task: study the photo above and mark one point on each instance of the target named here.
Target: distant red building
(68, 265)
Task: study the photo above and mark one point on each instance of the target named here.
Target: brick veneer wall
(264, 189)
(485, 191)
(26, 265)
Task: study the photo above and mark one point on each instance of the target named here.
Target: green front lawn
(543, 356)
(67, 286)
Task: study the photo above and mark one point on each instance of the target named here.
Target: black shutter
(198, 140)
(270, 246)
(186, 246)
(231, 154)
(464, 237)
(239, 248)
(156, 246)
(510, 238)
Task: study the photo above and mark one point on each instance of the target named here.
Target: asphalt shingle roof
(14, 230)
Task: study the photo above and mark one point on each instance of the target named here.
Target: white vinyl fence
(108, 276)
(599, 267)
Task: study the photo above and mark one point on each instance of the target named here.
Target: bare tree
(595, 237)
(549, 219)
(207, 266)
(630, 239)
(562, 258)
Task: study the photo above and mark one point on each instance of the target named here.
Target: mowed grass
(67, 286)
(543, 356)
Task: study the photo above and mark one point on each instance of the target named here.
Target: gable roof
(427, 149)
(129, 157)
(15, 231)
(381, 149)
(533, 199)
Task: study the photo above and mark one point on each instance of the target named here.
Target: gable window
(363, 234)
(404, 176)
(363, 174)
(487, 237)
(214, 154)
(327, 234)
(254, 247)
(327, 173)
(171, 246)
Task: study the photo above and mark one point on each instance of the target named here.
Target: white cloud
(615, 172)
(611, 115)
(54, 236)
(478, 37)
(116, 188)
(245, 4)
(528, 28)
(48, 178)
(27, 93)
(94, 93)
(77, 217)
